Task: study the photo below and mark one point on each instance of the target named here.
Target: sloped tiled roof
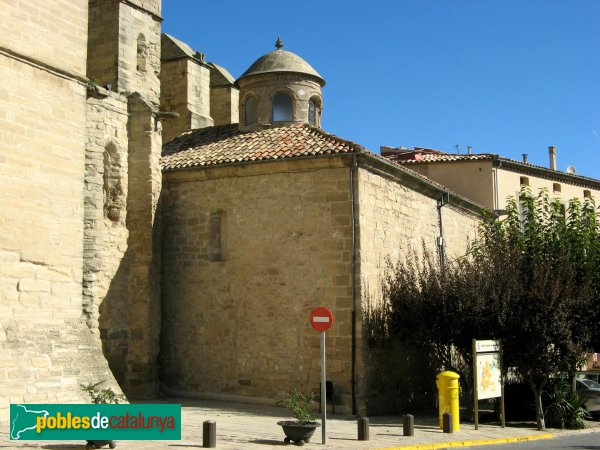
(226, 144)
(426, 158)
(444, 157)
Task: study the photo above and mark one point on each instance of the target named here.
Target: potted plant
(300, 430)
(101, 396)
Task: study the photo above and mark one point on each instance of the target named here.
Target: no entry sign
(321, 318)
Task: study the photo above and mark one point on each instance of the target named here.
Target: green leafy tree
(545, 317)
(530, 279)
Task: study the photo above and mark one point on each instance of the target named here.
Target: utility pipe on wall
(353, 281)
(444, 200)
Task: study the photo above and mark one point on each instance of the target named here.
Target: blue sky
(503, 76)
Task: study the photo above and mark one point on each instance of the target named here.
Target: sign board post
(321, 319)
(487, 376)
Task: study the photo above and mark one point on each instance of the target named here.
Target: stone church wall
(124, 46)
(224, 105)
(46, 349)
(54, 32)
(394, 219)
(105, 290)
(248, 252)
(143, 222)
(185, 90)
(139, 52)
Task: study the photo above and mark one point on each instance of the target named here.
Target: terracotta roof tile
(430, 157)
(519, 165)
(226, 144)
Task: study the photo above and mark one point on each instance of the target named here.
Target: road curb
(471, 442)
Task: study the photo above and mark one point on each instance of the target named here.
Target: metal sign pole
(475, 389)
(502, 413)
(323, 390)
(321, 319)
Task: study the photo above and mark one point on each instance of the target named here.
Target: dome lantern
(280, 88)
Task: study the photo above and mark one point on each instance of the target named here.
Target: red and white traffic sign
(321, 318)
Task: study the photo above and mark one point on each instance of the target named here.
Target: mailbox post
(447, 384)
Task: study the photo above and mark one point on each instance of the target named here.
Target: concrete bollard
(448, 425)
(409, 425)
(363, 428)
(209, 434)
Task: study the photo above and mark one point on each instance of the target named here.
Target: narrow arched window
(251, 111)
(312, 112)
(314, 108)
(282, 108)
(141, 53)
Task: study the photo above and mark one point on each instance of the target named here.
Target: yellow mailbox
(447, 385)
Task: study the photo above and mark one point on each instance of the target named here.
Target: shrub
(299, 404)
(102, 396)
(564, 408)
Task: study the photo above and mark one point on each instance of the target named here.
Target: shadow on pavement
(267, 442)
(64, 446)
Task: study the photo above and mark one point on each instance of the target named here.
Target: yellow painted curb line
(472, 442)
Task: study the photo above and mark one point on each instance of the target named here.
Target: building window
(587, 193)
(282, 108)
(141, 53)
(524, 181)
(556, 187)
(215, 240)
(251, 111)
(314, 111)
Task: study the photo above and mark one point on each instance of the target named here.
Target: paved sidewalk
(245, 426)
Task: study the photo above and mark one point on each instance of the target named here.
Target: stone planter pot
(298, 432)
(100, 444)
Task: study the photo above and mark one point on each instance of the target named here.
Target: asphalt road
(585, 441)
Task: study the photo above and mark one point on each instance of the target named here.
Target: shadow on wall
(113, 323)
(129, 315)
(400, 380)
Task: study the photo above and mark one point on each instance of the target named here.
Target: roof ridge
(359, 148)
(454, 157)
(227, 144)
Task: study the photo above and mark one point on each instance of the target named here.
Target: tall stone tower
(201, 94)
(46, 349)
(121, 279)
(124, 46)
(185, 87)
(278, 89)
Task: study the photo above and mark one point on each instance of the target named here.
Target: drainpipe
(353, 219)
(444, 200)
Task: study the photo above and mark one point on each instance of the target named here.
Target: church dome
(280, 89)
(282, 61)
